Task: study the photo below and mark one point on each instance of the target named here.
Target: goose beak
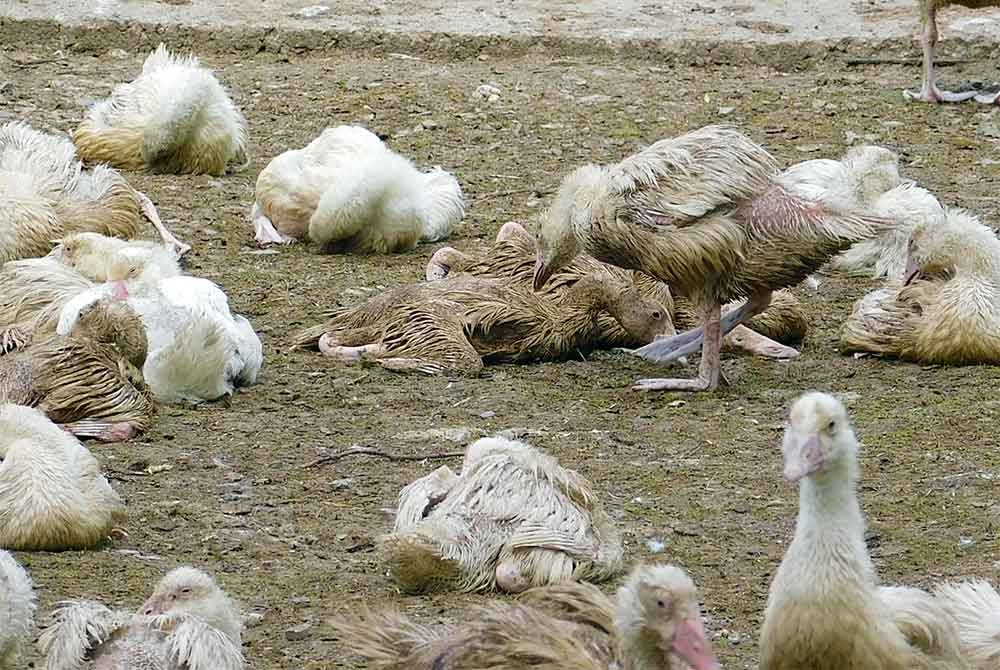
(119, 291)
(691, 644)
(911, 272)
(152, 607)
(542, 273)
(803, 460)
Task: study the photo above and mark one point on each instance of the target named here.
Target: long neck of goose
(830, 518)
(592, 294)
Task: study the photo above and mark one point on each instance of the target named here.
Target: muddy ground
(294, 543)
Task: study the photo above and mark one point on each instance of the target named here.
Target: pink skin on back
(691, 644)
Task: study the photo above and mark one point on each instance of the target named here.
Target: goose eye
(660, 604)
(656, 315)
(831, 425)
(185, 591)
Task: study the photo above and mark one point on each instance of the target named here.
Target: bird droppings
(664, 462)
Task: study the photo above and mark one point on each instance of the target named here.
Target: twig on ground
(368, 451)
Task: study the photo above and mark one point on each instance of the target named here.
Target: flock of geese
(688, 245)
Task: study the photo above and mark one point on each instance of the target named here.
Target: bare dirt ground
(294, 543)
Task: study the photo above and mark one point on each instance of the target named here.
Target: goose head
(818, 437)
(659, 620)
(960, 244)
(566, 225)
(186, 591)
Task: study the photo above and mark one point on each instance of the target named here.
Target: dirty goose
(709, 214)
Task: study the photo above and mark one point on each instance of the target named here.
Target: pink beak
(542, 273)
(691, 644)
(151, 607)
(911, 272)
(804, 460)
(119, 291)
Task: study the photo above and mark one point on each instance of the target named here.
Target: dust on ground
(701, 473)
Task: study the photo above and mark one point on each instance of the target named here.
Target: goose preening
(175, 117)
(885, 255)
(513, 257)
(198, 350)
(946, 308)
(348, 192)
(454, 325)
(17, 611)
(929, 92)
(89, 379)
(53, 496)
(513, 518)
(188, 623)
(825, 610)
(709, 214)
(653, 623)
(45, 194)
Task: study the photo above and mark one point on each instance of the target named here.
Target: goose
(825, 610)
(17, 611)
(513, 257)
(175, 117)
(89, 379)
(348, 192)
(46, 194)
(53, 494)
(709, 214)
(513, 518)
(452, 326)
(654, 622)
(929, 92)
(100, 258)
(946, 307)
(198, 351)
(188, 623)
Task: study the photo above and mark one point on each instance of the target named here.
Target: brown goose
(89, 380)
(454, 325)
(709, 214)
(929, 92)
(653, 623)
(513, 257)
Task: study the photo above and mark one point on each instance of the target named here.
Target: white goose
(17, 611)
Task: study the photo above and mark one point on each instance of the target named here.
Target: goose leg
(149, 211)
(264, 231)
(929, 92)
(102, 430)
(710, 368)
(348, 354)
(667, 349)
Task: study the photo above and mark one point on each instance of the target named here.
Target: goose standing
(46, 194)
(175, 117)
(53, 496)
(825, 610)
(348, 192)
(17, 611)
(188, 623)
(929, 92)
(946, 309)
(512, 519)
(709, 214)
(654, 622)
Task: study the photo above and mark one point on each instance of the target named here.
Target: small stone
(253, 619)
(312, 11)
(808, 148)
(430, 124)
(594, 99)
(486, 91)
(725, 111)
(655, 545)
(118, 54)
(300, 632)
(338, 484)
(677, 403)
(487, 415)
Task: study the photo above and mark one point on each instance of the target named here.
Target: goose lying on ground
(513, 257)
(825, 610)
(452, 326)
(513, 518)
(175, 117)
(88, 380)
(53, 496)
(348, 192)
(709, 214)
(188, 623)
(929, 92)
(946, 309)
(17, 611)
(975, 606)
(654, 622)
(46, 194)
